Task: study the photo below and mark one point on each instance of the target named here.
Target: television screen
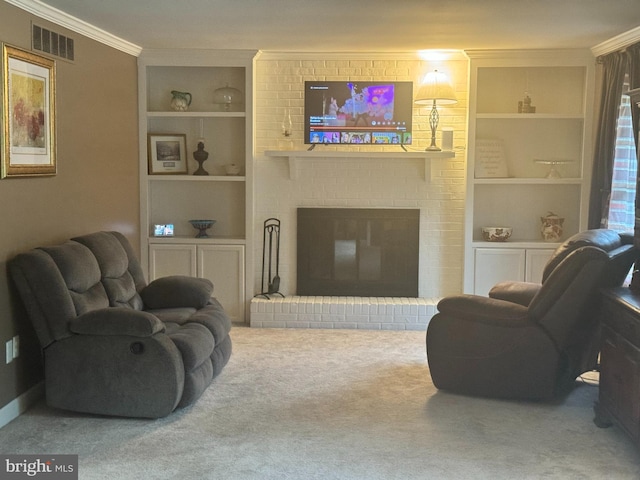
(358, 112)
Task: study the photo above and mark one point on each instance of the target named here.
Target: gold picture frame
(28, 113)
(167, 154)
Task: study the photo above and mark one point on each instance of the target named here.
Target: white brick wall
(348, 182)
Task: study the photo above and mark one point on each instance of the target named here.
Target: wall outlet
(9, 351)
(16, 346)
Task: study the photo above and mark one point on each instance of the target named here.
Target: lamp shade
(435, 86)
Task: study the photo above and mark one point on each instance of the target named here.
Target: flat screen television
(344, 112)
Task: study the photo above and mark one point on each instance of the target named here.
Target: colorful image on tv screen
(358, 112)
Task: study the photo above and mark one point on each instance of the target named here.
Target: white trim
(19, 405)
(310, 56)
(617, 43)
(548, 54)
(65, 20)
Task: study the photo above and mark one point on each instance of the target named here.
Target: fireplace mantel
(296, 156)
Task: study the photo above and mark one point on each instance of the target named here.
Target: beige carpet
(335, 404)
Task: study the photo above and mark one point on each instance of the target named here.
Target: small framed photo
(28, 113)
(167, 154)
(165, 230)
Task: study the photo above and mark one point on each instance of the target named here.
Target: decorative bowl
(232, 169)
(202, 226)
(496, 234)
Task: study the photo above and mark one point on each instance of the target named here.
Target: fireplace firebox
(364, 252)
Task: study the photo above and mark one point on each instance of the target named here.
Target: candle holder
(200, 155)
(287, 125)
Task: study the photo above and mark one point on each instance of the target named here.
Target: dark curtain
(614, 67)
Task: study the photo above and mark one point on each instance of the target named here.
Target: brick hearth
(369, 313)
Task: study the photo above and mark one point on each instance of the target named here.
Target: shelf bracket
(293, 168)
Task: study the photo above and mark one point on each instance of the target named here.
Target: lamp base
(433, 148)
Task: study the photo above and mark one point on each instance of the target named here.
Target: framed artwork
(167, 154)
(28, 113)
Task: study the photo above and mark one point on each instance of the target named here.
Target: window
(623, 187)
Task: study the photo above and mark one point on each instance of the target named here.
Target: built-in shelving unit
(544, 157)
(227, 133)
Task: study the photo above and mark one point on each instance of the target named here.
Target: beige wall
(96, 187)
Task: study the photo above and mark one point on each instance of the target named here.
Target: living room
(97, 184)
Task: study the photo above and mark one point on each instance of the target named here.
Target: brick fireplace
(341, 181)
(329, 178)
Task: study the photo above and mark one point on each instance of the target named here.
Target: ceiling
(356, 25)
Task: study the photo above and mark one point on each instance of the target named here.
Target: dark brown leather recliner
(526, 340)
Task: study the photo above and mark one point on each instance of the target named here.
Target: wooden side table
(619, 393)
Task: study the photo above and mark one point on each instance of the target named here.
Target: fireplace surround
(362, 265)
(336, 179)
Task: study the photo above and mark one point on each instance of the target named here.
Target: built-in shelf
(515, 244)
(196, 178)
(194, 114)
(528, 181)
(295, 156)
(183, 239)
(530, 116)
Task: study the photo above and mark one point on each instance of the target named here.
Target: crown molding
(74, 24)
(516, 54)
(313, 56)
(617, 43)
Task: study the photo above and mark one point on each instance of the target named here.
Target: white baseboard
(15, 408)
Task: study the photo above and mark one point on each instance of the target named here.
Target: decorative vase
(180, 101)
(200, 156)
(551, 228)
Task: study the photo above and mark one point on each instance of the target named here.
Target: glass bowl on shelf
(227, 96)
(553, 171)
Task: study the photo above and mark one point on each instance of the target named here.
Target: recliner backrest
(602, 238)
(566, 300)
(59, 283)
(56, 285)
(122, 275)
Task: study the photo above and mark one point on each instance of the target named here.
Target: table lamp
(435, 89)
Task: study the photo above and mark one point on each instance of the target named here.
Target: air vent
(53, 43)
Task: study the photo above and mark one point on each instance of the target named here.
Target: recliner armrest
(177, 291)
(516, 292)
(117, 321)
(486, 310)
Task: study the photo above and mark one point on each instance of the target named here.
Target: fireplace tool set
(271, 258)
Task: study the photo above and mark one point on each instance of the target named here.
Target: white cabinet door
(536, 261)
(224, 266)
(493, 265)
(165, 260)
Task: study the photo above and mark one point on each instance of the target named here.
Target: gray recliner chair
(112, 344)
(526, 340)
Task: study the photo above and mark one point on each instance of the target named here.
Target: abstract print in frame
(28, 114)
